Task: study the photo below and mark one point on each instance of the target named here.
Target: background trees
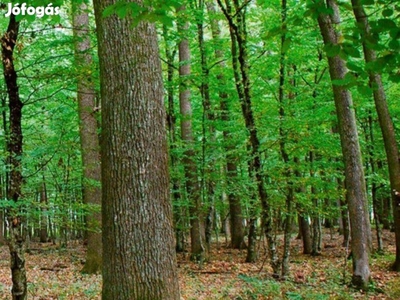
(263, 120)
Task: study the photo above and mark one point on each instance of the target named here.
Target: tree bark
(385, 122)
(305, 234)
(354, 173)
(43, 236)
(138, 241)
(90, 148)
(14, 147)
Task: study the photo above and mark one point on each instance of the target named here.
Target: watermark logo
(39, 11)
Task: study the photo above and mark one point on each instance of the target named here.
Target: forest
(200, 149)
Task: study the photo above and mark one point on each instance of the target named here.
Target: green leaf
(351, 50)
(387, 12)
(373, 66)
(364, 90)
(386, 24)
(332, 50)
(286, 45)
(354, 67)
(274, 32)
(108, 11)
(122, 11)
(394, 44)
(367, 2)
(395, 77)
(348, 80)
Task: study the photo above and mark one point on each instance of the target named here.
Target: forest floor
(55, 274)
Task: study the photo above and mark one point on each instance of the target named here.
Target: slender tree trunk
(2, 213)
(386, 208)
(305, 235)
(43, 236)
(197, 230)
(316, 220)
(237, 28)
(371, 168)
(138, 241)
(385, 122)
(304, 225)
(283, 136)
(90, 147)
(235, 207)
(208, 134)
(17, 234)
(355, 182)
(344, 215)
(180, 213)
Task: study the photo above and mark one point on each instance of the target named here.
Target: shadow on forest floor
(55, 274)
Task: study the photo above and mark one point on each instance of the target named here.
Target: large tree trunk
(354, 173)
(90, 147)
(17, 235)
(385, 122)
(138, 241)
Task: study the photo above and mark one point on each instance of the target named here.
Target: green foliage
(48, 76)
(151, 11)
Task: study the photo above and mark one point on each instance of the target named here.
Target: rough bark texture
(90, 147)
(138, 242)
(14, 147)
(354, 173)
(385, 122)
(197, 229)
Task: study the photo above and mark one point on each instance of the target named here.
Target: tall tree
(354, 173)
(179, 210)
(235, 14)
(138, 241)
(283, 137)
(197, 226)
(90, 147)
(385, 121)
(235, 208)
(14, 147)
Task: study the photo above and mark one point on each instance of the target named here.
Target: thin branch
(247, 2)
